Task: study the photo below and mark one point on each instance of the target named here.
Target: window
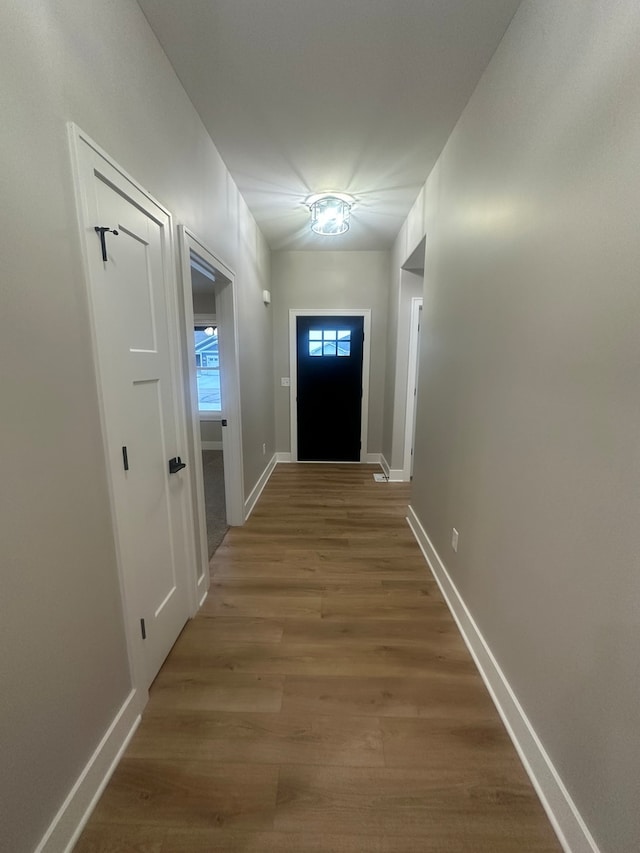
(207, 369)
(329, 342)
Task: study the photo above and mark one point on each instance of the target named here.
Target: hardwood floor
(322, 701)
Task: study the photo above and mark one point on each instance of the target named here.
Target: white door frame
(226, 314)
(77, 139)
(294, 313)
(412, 390)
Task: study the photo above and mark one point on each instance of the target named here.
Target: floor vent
(381, 478)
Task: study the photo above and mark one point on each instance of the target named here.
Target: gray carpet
(214, 498)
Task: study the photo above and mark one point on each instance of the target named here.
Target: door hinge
(143, 629)
(125, 458)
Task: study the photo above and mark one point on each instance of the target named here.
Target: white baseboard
(565, 818)
(394, 475)
(211, 445)
(369, 459)
(70, 820)
(202, 588)
(252, 500)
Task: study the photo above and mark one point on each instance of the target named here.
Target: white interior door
(143, 413)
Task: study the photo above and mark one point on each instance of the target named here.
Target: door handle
(176, 464)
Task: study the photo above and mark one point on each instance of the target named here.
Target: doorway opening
(209, 397)
(412, 289)
(211, 376)
(412, 387)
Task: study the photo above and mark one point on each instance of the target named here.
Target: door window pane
(207, 368)
(329, 342)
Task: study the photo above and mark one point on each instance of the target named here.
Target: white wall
(389, 410)
(330, 280)
(63, 665)
(210, 431)
(204, 303)
(256, 348)
(529, 398)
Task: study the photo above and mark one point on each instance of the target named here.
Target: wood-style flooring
(322, 701)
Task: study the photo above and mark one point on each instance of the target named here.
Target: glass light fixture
(330, 212)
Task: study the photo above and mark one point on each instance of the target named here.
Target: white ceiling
(302, 96)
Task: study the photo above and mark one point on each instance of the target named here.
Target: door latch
(176, 464)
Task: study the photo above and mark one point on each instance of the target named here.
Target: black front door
(329, 388)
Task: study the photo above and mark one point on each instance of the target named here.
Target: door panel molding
(294, 313)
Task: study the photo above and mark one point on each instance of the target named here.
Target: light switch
(285, 381)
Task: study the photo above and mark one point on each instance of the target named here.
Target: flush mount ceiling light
(330, 212)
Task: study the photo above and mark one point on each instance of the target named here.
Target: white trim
(211, 445)
(294, 313)
(384, 464)
(72, 816)
(412, 386)
(203, 319)
(394, 475)
(283, 457)
(252, 500)
(326, 462)
(572, 831)
(226, 320)
(373, 458)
